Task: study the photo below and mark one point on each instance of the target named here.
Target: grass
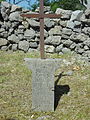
(15, 89)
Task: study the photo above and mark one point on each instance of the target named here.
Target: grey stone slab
(43, 82)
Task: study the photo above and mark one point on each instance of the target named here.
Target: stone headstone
(43, 82)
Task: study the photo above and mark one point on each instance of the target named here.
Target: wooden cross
(41, 16)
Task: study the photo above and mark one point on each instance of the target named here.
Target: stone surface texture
(70, 33)
(43, 82)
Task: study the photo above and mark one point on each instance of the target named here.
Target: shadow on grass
(60, 90)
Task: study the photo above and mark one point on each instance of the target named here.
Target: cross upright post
(42, 69)
(42, 29)
(41, 16)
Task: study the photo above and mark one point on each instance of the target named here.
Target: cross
(41, 16)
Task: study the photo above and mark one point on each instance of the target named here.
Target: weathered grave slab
(43, 82)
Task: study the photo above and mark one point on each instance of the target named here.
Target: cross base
(43, 82)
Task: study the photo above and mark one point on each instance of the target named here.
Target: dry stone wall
(69, 33)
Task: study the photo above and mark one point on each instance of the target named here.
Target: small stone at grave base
(43, 82)
(69, 73)
(43, 117)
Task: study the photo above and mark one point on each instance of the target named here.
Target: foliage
(66, 4)
(2, 0)
(54, 6)
(36, 4)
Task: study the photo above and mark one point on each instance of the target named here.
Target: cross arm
(30, 15)
(41, 15)
(52, 15)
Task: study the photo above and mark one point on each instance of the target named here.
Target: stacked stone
(69, 33)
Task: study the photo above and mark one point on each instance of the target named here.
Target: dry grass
(15, 90)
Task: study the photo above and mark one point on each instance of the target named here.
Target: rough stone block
(43, 82)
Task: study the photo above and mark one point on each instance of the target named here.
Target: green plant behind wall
(66, 4)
